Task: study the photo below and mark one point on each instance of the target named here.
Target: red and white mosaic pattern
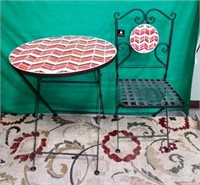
(144, 38)
(62, 55)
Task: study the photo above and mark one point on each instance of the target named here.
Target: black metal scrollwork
(162, 48)
(152, 18)
(122, 47)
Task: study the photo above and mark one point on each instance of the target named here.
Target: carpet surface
(140, 162)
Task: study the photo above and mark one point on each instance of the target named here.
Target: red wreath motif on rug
(162, 122)
(19, 120)
(115, 157)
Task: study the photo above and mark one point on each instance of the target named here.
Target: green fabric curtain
(24, 21)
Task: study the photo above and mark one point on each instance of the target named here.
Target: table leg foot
(167, 150)
(33, 168)
(117, 150)
(96, 172)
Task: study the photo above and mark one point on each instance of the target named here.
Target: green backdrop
(24, 21)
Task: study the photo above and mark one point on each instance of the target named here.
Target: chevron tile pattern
(62, 55)
(144, 38)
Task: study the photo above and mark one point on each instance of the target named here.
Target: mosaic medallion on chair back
(144, 38)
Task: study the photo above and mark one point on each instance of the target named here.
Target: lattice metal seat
(148, 93)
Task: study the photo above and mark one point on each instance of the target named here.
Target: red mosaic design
(67, 54)
(115, 157)
(144, 38)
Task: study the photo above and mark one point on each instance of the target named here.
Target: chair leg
(167, 125)
(117, 119)
(33, 168)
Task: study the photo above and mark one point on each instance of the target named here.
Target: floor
(193, 112)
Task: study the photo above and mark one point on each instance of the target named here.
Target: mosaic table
(62, 56)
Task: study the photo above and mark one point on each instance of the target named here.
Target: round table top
(66, 55)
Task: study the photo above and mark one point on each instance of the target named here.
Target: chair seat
(148, 93)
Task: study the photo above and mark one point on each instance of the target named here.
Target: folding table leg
(36, 92)
(100, 94)
(100, 108)
(96, 172)
(33, 168)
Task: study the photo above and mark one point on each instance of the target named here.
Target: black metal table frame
(39, 97)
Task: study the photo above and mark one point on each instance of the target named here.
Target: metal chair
(143, 40)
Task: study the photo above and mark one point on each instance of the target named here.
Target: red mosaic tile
(70, 46)
(59, 66)
(20, 58)
(85, 59)
(78, 52)
(55, 41)
(17, 51)
(48, 66)
(23, 47)
(89, 52)
(99, 52)
(26, 52)
(62, 59)
(53, 59)
(42, 59)
(36, 66)
(47, 52)
(81, 47)
(23, 66)
(41, 46)
(98, 59)
(31, 58)
(51, 46)
(32, 46)
(60, 46)
(85, 66)
(37, 52)
(75, 59)
(71, 66)
(57, 52)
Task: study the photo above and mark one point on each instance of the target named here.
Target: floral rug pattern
(141, 161)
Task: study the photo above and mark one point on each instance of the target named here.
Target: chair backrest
(143, 40)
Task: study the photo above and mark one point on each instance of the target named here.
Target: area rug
(141, 161)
